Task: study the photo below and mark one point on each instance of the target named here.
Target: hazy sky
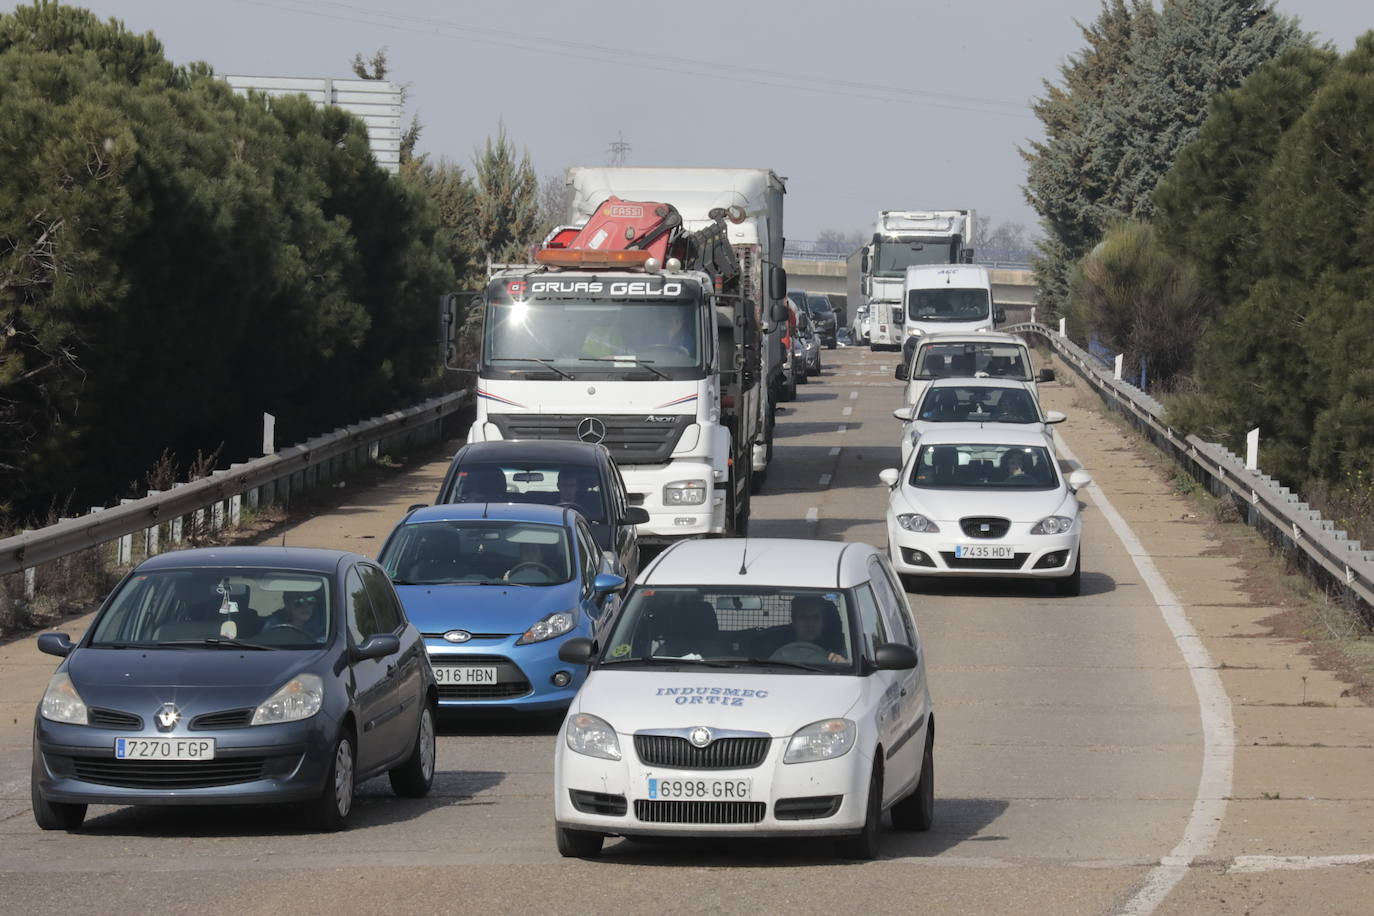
(881, 104)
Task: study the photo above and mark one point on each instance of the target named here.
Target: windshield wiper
(547, 364)
(669, 660)
(779, 663)
(646, 363)
(215, 642)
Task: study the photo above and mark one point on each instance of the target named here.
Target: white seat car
(750, 687)
(975, 401)
(985, 502)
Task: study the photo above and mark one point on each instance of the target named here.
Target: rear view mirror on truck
(780, 312)
(777, 284)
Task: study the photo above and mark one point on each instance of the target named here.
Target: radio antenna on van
(743, 569)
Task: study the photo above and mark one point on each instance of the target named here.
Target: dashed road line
(834, 452)
(813, 514)
(848, 411)
(825, 480)
(853, 395)
(1252, 864)
(844, 428)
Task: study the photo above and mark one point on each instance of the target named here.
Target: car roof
(787, 562)
(949, 337)
(984, 434)
(494, 511)
(313, 559)
(562, 450)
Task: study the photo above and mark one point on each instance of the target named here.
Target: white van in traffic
(942, 298)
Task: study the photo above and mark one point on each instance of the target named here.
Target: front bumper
(252, 765)
(1035, 556)
(524, 674)
(624, 785)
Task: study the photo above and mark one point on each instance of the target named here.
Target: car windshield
(893, 257)
(965, 360)
(594, 338)
(983, 467)
(545, 483)
(819, 305)
(977, 404)
(948, 303)
(219, 608)
(732, 626)
(478, 552)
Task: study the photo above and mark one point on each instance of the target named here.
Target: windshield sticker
(710, 696)
(621, 650)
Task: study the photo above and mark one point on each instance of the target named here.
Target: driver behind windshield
(300, 611)
(816, 622)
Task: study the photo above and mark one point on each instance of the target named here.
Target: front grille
(630, 439)
(699, 812)
(231, 718)
(973, 526)
(598, 803)
(113, 718)
(721, 754)
(167, 774)
(483, 691)
(806, 808)
(954, 562)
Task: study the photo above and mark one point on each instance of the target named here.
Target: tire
(917, 810)
(54, 815)
(865, 844)
(329, 812)
(805, 375)
(577, 844)
(413, 778)
(1071, 585)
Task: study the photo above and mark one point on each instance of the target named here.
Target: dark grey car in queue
(237, 675)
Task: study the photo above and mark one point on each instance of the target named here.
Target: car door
(904, 756)
(626, 545)
(374, 681)
(402, 719)
(885, 697)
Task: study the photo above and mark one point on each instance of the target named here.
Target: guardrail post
(235, 510)
(1062, 331)
(217, 515)
(269, 434)
(1116, 366)
(124, 547)
(30, 577)
(1252, 450)
(152, 535)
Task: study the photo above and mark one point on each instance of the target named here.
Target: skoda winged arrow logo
(700, 736)
(167, 716)
(591, 430)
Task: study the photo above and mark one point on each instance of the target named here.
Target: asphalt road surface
(1070, 752)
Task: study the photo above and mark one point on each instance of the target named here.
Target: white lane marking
(853, 395)
(843, 428)
(834, 452)
(1249, 864)
(1218, 728)
(813, 514)
(847, 411)
(825, 480)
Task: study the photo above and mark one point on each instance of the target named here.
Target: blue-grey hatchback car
(236, 675)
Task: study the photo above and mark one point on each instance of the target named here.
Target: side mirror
(777, 283)
(890, 476)
(577, 651)
(1046, 375)
(59, 644)
(893, 656)
(605, 584)
(863, 260)
(780, 311)
(905, 414)
(1054, 416)
(999, 314)
(1079, 479)
(966, 256)
(635, 515)
(902, 372)
(379, 645)
(413, 507)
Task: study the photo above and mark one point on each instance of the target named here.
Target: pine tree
(507, 199)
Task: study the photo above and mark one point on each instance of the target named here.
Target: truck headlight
(61, 702)
(554, 625)
(593, 736)
(918, 523)
(685, 493)
(820, 741)
(1055, 524)
(299, 698)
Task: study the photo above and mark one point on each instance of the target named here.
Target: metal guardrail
(221, 495)
(1331, 557)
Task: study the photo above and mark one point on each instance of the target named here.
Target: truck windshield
(625, 338)
(948, 304)
(894, 256)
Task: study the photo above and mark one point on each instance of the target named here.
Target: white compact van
(942, 298)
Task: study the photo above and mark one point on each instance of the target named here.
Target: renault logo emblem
(167, 716)
(457, 636)
(591, 430)
(700, 736)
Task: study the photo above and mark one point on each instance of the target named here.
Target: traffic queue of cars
(757, 687)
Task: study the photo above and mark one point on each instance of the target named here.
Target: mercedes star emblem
(591, 430)
(457, 636)
(167, 716)
(700, 737)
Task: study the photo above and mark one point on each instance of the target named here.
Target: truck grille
(721, 754)
(974, 526)
(630, 439)
(699, 812)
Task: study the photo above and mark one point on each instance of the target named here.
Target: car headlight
(554, 625)
(299, 698)
(918, 523)
(820, 741)
(1055, 524)
(593, 736)
(61, 702)
(684, 493)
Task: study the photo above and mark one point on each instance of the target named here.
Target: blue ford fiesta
(236, 675)
(496, 588)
